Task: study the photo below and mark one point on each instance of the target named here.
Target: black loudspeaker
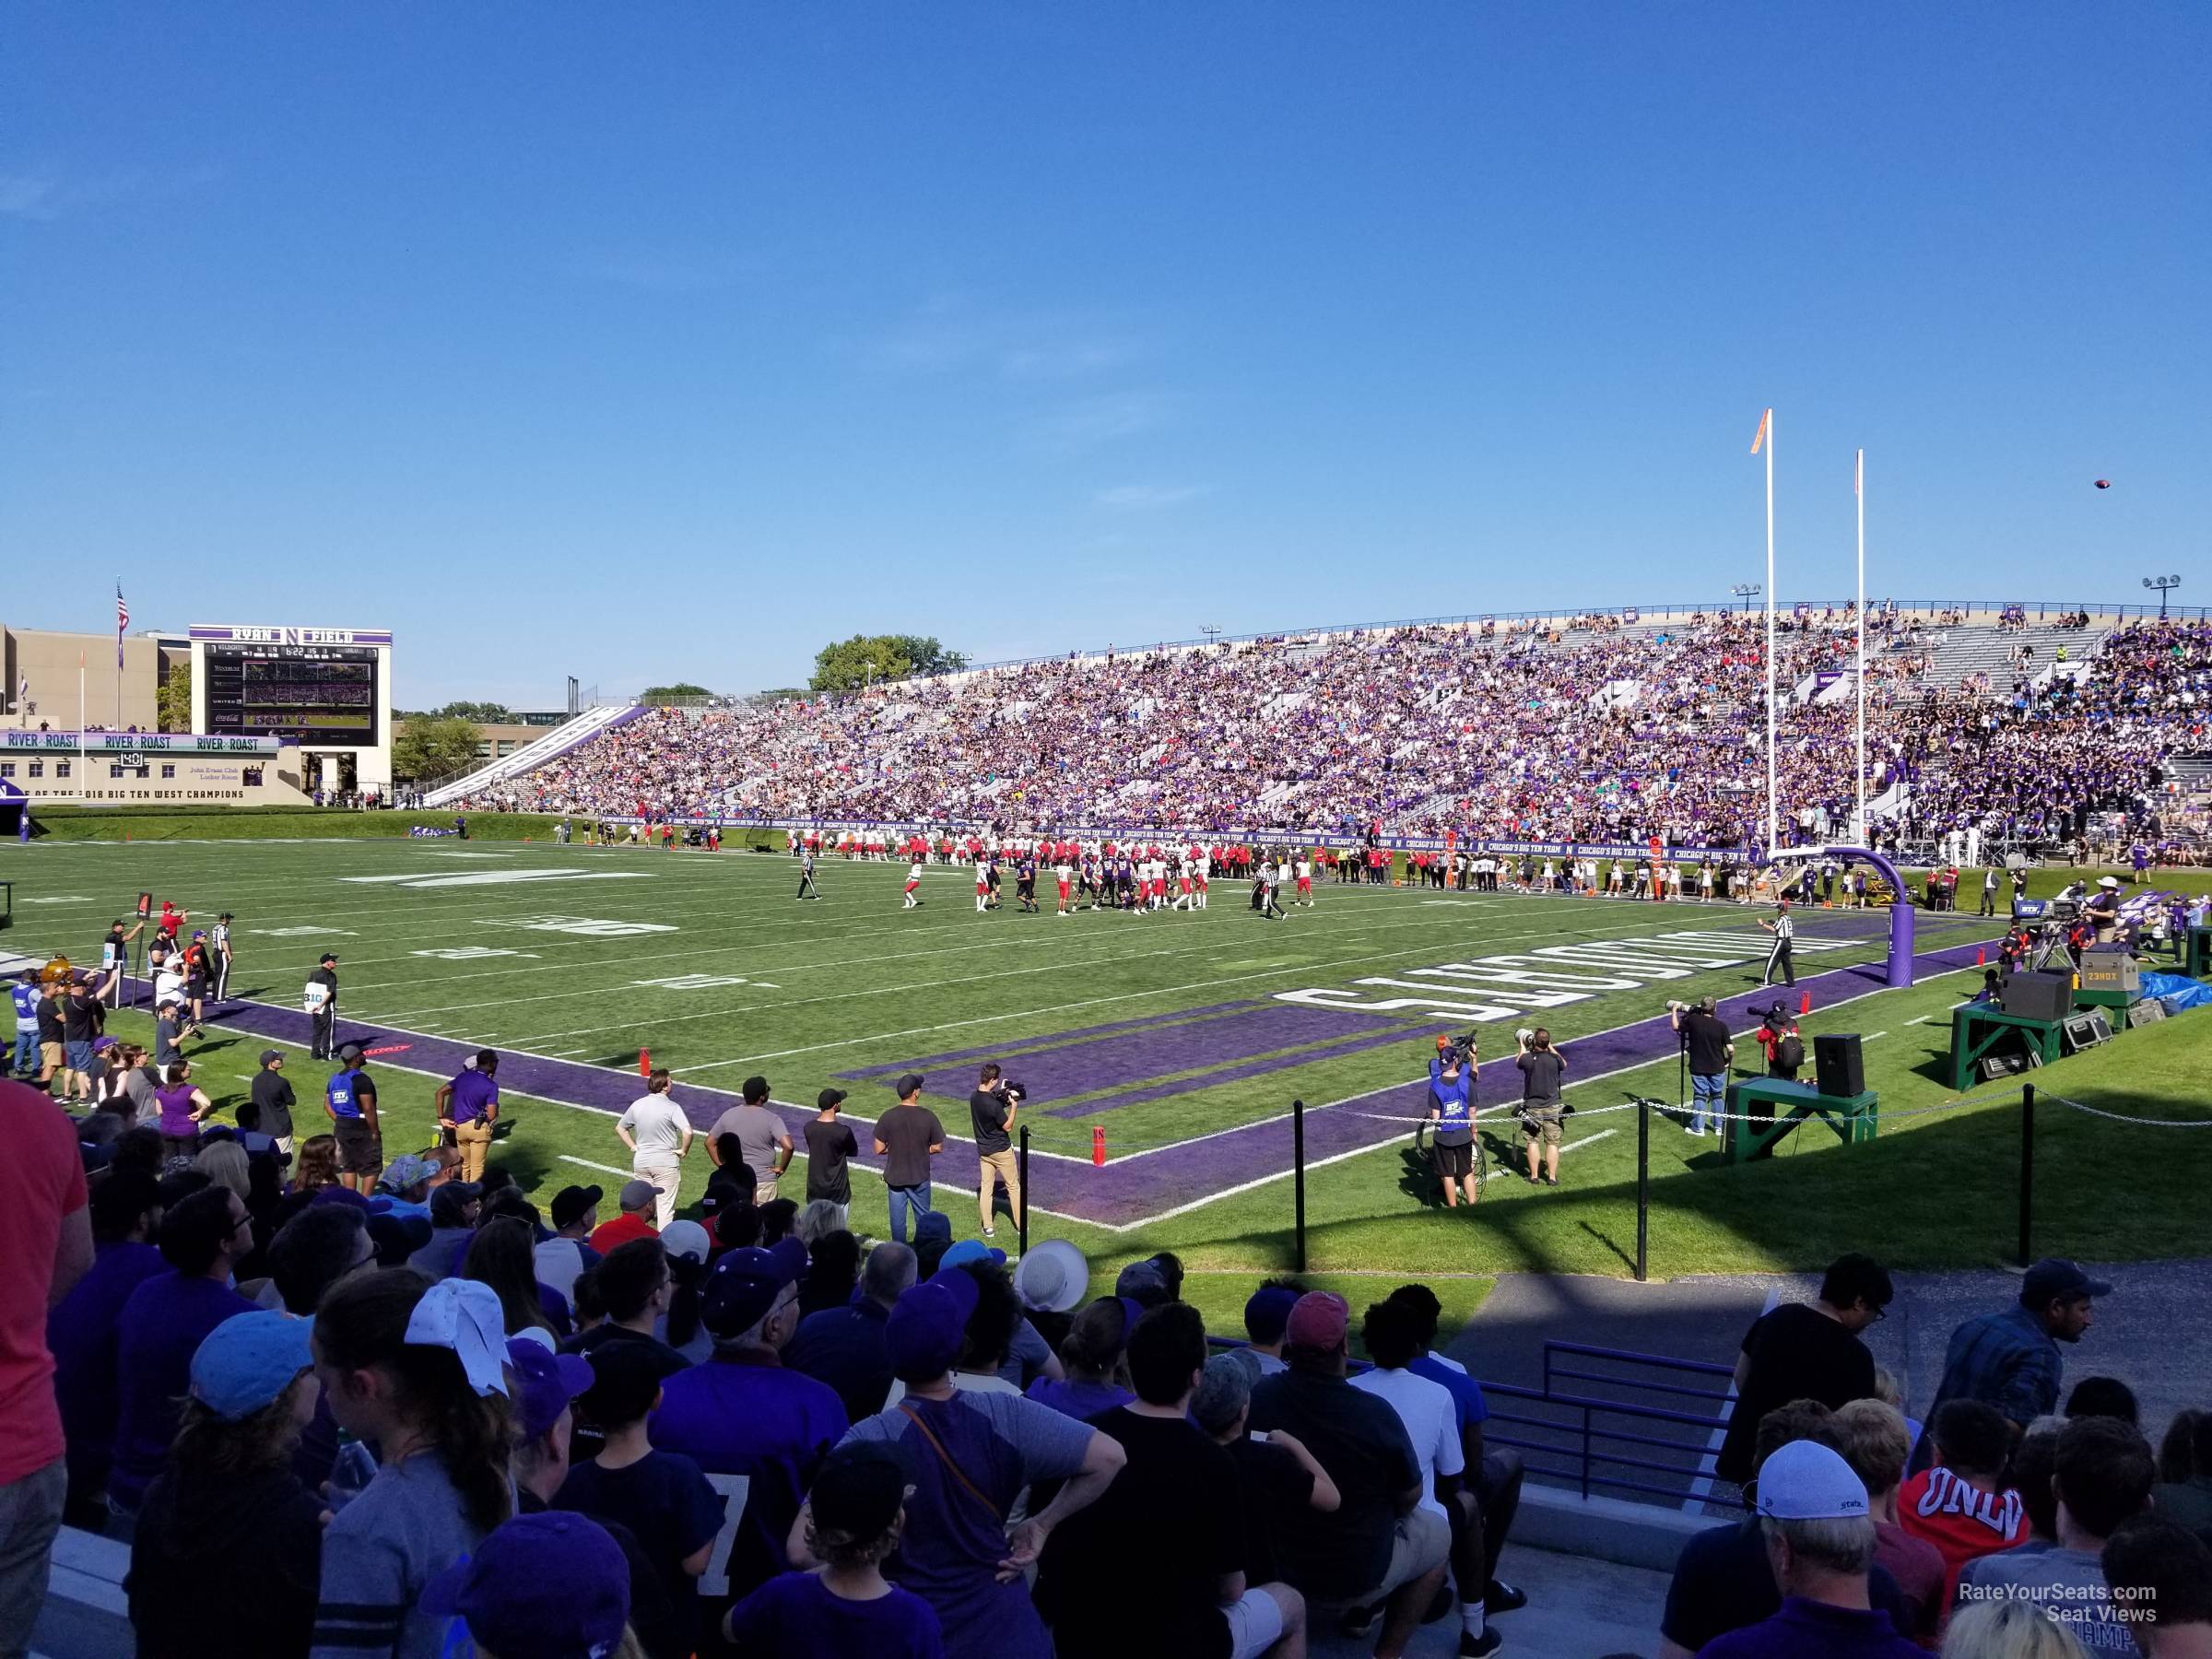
(2148, 1012)
(2045, 995)
(1837, 1066)
(2083, 1030)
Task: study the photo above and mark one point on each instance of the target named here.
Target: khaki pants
(996, 1167)
(665, 1176)
(474, 1140)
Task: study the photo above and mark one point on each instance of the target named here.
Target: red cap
(1318, 1321)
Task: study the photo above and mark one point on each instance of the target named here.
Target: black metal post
(1643, 1187)
(2027, 1172)
(1297, 1180)
(1021, 1210)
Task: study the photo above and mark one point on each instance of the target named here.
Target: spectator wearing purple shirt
(83, 1329)
(467, 1107)
(162, 1325)
(1820, 1540)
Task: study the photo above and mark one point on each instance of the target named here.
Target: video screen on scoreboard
(316, 693)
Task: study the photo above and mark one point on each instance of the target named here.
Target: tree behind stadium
(867, 659)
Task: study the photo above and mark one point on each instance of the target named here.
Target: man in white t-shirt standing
(658, 1134)
(1394, 1338)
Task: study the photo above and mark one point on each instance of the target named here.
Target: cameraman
(1710, 1049)
(1452, 1110)
(1543, 1069)
(991, 1110)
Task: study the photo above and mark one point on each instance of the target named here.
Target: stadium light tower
(1212, 631)
(2164, 586)
(1746, 592)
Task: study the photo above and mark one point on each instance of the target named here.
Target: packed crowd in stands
(378, 1403)
(1575, 732)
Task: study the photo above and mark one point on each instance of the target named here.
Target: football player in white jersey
(913, 885)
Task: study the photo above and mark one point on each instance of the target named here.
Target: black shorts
(360, 1148)
(1452, 1161)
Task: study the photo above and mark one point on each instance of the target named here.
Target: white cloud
(1146, 498)
(1089, 422)
(947, 335)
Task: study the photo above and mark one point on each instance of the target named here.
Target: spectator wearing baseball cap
(846, 1347)
(1379, 1545)
(574, 1212)
(1813, 1515)
(660, 1497)
(552, 1585)
(545, 1389)
(227, 1524)
(638, 1201)
(851, 1521)
(2011, 1359)
(743, 1416)
(1724, 1580)
(967, 1455)
(1267, 1313)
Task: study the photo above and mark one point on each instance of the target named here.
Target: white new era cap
(1806, 1481)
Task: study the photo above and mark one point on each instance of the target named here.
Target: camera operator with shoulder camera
(1543, 1071)
(1452, 1111)
(991, 1110)
(1710, 1049)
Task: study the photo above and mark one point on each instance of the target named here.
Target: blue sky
(664, 341)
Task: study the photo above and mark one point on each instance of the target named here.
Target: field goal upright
(1899, 976)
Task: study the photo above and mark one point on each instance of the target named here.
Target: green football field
(1184, 1037)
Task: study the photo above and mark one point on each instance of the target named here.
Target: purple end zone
(1055, 1039)
(1126, 1189)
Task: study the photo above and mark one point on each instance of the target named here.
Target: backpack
(1789, 1053)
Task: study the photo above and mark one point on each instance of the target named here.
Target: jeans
(1707, 1091)
(903, 1199)
(30, 1514)
(27, 1050)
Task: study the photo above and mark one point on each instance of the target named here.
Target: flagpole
(80, 725)
(1773, 831)
(1858, 490)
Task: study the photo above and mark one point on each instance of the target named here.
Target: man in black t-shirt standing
(1806, 1352)
(829, 1144)
(1710, 1049)
(273, 1095)
(907, 1137)
(1543, 1112)
(990, 1113)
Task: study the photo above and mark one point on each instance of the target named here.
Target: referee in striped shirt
(1784, 930)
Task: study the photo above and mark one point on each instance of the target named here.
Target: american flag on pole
(1759, 437)
(123, 620)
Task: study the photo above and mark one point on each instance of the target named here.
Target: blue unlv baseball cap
(553, 1585)
(245, 1363)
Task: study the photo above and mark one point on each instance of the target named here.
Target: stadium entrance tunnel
(1898, 974)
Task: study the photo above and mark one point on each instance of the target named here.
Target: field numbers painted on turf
(692, 982)
(498, 877)
(471, 953)
(590, 927)
(301, 932)
(57, 898)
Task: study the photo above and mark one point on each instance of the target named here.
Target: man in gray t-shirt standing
(1543, 1075)
(763, 1142)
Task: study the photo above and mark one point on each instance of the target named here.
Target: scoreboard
(326, 693)
(315, 693)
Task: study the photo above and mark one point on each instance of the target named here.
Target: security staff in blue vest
(349, 1100)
